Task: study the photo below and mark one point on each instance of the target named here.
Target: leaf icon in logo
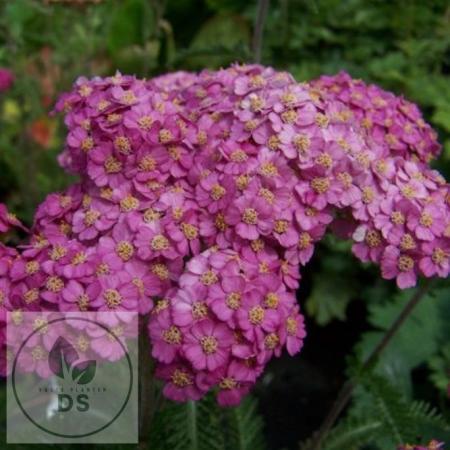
(61, 357)
(84, 372)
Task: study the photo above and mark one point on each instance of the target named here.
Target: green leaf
(440, 369)
(329, 298)
(352, 434)
(130, 22)
(417, 340)
(245, 427)
(442, 117)
(203, 425)
(219, 38)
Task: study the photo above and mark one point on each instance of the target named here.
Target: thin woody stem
(346, 391)
(263, 7)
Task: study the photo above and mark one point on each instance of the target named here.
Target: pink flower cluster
(388, 120)
(433, 445)
(200, 198)
(6, 79)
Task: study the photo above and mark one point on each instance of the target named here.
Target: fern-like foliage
(352, 434)
(386, 420)
(203, 425)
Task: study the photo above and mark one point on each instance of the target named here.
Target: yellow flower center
(242, 181)
(251, 125)
(407, 242)
(238, 156)
(150, 215)
(87, 144)
(397, 218)
(202, 138)
(54, 284)
(219, 222)
(83, 302)
(91, 216)
(208, 278)
(128, 98)
(271, 300)
(289, 116)
(58, 252)
(189, 231)
(250, 216)
(40, 324)
(439, 255)
(346, 179)
(38, 353)
(199, 310)
(159, 243)
(31, 267)
(129, 203)
(172, 335)
(82, 343)
(256, 315)
(209, 344)
(408, 191)
(320, 184)
(322, 120)
(160, 270)
(233, 300)
(122, 144)
(271, 341)
(102, 269)
(217, 192)
(291, 326)
(174, 152)
(227, 383)
(281, 226)
(125, 250)
(426, 220)
(405, 263)
(165, 136)
(79, 258)
(304, 240)
(112, 165)
(324, 160)
(113, 298)
(147, 164)
(373, 238)
(302, 143)
(269, 169)
(181, 378)
(145, 122)
(257, 245)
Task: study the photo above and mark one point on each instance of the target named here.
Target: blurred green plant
(403, 45)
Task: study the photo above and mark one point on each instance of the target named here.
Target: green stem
(346, 391)
(146, 385)
(263, 7)
(193, 425)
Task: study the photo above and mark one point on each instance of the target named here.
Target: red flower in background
(42, 131)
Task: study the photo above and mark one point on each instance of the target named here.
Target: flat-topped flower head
(202, 195)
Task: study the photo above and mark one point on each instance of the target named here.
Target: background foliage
(403, 45)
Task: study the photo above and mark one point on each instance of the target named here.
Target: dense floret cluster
(200, 198)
